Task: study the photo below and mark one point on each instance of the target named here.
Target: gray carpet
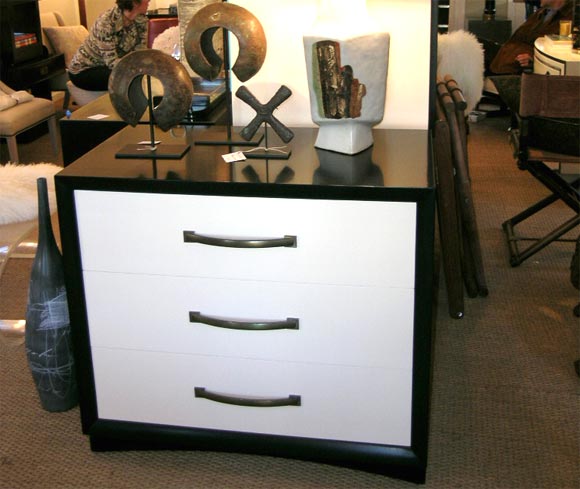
(505, 406)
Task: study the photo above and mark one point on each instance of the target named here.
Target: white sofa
(19, 112)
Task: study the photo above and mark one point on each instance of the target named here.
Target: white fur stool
(19, 205)
(83, 97)
(460, 55)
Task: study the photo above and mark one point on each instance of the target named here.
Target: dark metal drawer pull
(198, 317)
(193, 237)
(203, 393)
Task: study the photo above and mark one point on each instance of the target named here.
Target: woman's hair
(127, 4)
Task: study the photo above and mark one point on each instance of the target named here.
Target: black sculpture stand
(253, 141)
(152, 150)
(266, 152)
(231, 141)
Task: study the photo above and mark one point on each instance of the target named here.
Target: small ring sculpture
(126, 87)
(198, 40)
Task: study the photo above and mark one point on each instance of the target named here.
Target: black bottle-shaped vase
(47, 333)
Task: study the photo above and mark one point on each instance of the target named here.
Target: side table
(81, 132)
(35, 75)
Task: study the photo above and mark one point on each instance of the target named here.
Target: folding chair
(448, 214)
(474, 275)
(461, 249)
(552, 103)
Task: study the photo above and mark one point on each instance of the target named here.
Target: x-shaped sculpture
(264, 113)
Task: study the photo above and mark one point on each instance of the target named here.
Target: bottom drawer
(361, 404)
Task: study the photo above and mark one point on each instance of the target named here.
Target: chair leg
(566, 191)
(533, 209)
(468, 265)
(449, 231)
(517, 257)
(66, 101)
(569, 196)
(53, 130)
(12, 149)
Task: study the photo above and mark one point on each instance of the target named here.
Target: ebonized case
(276, 307)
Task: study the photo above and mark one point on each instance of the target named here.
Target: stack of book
(22, 39)
(557, 41)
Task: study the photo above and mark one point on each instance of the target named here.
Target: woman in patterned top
(116, 32)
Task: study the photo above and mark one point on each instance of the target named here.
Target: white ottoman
(82, 97)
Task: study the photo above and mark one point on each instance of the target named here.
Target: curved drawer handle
(198, 317)
(193, 237)
(291, 400)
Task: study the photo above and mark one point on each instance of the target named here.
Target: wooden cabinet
(35, 75)
(290, 319)
(443, 7)
(24, 64)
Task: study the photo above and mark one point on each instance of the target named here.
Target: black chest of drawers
(269, 307)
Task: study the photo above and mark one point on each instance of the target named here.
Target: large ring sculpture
(126, 87)
(198, 40)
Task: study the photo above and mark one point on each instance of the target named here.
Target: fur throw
(167, 41)
(18, 194)
(460, 55)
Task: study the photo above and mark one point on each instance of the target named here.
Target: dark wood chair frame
(459, 235)
(544, 96)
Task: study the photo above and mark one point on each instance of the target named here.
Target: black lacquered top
(398, 159)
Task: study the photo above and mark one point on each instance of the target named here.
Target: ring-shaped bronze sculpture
(126, 87)
(198, 40)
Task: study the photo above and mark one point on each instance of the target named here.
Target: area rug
(18, 194)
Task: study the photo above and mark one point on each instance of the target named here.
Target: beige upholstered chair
(24, 115)
(57, 84)
(66, 39)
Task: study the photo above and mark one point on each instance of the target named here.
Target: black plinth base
(233, 141)
(267, 154)
(162, 151)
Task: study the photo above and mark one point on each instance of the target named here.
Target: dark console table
(80, 132)
(491, 34)
(34, 75)
(275, 307)
(496, 30)
(24, 63)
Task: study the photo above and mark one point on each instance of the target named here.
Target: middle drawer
(367, 326)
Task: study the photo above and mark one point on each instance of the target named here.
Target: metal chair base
(517, 256)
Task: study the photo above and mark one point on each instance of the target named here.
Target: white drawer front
(544, 65)
(339, 242)
(338, 403)
(367, 326)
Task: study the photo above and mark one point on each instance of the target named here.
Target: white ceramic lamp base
(346, 136)
(360, 63)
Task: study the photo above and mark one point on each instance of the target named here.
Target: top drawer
(338, 242)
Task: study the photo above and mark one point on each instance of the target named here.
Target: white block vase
(346, 63)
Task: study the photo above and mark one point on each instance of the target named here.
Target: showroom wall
(69, 9)
(285, 21)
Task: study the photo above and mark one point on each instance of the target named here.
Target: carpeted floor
(505, 405)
